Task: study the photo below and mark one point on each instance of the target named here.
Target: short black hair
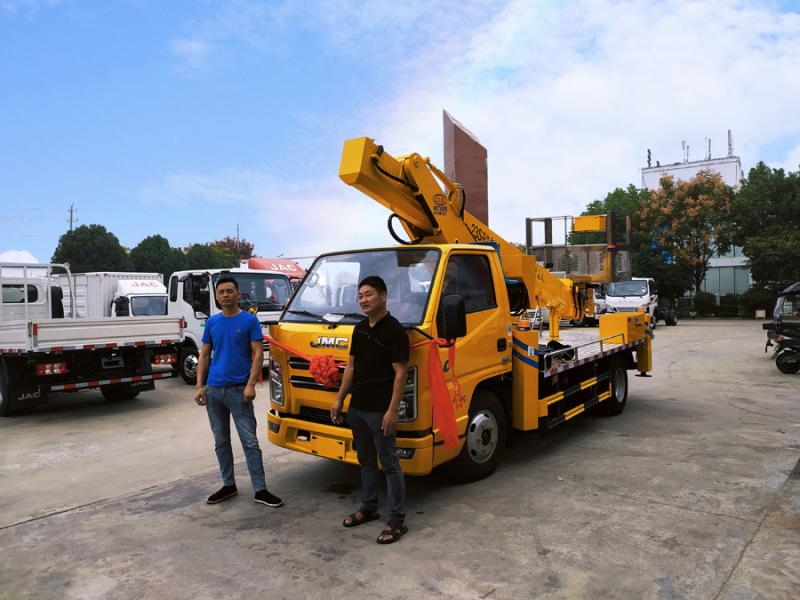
(375, 282)
(227, 279)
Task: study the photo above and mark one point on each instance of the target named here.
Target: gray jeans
(370, 443)
(222, 403)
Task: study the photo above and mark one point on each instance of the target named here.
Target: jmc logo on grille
(322, 341)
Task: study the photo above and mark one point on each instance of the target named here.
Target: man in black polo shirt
(375, 377)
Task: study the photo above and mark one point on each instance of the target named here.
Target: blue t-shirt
(230, 339)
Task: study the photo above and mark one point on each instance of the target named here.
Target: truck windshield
(330, 290)
(627, 288)
(270, 291)
(148, 306)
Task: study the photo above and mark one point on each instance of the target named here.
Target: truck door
(486, 347)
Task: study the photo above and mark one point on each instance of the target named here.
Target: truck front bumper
(336, 443)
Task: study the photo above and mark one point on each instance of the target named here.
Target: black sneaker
(264, 497)
(223, 493)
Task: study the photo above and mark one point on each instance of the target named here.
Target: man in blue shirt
(237, 343)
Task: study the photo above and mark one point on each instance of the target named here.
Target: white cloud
(193, 53)
(14, 6)
(18, 256)
(566, 97)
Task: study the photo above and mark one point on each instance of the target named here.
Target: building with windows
(727, 273)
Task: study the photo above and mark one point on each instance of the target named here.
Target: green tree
(91, 248)
(239, 248)
(155, 255)
(690, 220)
(205, 256)
(767, 225)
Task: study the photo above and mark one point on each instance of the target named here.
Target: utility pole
(237, 240)
(71, 212)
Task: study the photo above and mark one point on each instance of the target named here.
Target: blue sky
(186, 118)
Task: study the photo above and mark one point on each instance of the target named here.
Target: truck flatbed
(54, 335)
(585, 346)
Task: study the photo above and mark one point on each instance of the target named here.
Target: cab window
(470, 276)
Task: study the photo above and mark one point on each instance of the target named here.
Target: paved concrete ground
(693, 492)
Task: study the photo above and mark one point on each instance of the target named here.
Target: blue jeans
(370, 443)
(222, 403)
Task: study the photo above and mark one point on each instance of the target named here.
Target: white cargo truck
(638, 294)
(44, 348)
(191, 296)
(112, 294)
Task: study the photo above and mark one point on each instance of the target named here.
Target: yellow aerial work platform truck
(455, 281)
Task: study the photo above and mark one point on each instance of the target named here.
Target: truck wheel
(788, 362)
(118, 392)
(618, 376)
(187, 366)
(485, 439)
(653, 322)
(5, 398)
(672, 318)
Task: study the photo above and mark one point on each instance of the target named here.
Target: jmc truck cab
(191, 296)
(509, 376)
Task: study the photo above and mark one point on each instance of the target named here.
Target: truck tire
(187, 364)
(653, 322)
(672, 318)
(484, 441)
(788, 362)
(618, 376)
(118, 392)
(5, 398)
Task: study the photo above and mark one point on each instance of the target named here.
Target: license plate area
(329, 447)
(112, 360)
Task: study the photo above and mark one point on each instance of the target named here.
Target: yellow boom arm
(409, 186)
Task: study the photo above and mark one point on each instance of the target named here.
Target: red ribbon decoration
(325, 371)
(444, 416)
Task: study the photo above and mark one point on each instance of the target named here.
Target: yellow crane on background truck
(458, 283)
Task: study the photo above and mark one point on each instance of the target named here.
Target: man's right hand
(200, 396)
(336, 412)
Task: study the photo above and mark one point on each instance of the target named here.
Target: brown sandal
(392, 533)
(355, 521)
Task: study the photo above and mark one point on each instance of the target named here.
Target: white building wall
(729, 167)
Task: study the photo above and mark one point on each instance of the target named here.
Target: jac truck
(191, 296)
(44, 348)
(111, 294)
(465, 296)
(639, 294)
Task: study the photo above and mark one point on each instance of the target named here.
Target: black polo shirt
(374, 350)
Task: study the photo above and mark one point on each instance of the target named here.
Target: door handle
(502, 344)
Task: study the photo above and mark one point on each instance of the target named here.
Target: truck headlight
(408, 404)
(275, 382)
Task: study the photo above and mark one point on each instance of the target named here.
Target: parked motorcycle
(784, 330)
(787, 357)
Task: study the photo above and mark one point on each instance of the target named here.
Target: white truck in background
(116, 294)
(44, 348)
(638, 294)
(191, 296)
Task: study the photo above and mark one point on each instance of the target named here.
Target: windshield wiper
(308, 313)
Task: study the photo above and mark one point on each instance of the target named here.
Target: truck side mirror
(122, 307)
(451, 321)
